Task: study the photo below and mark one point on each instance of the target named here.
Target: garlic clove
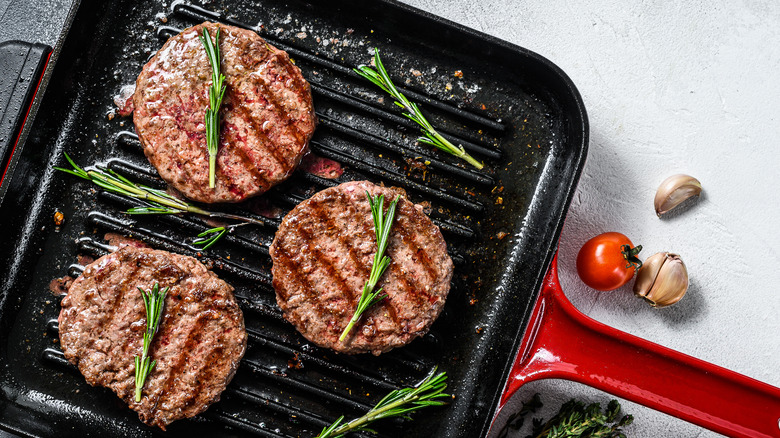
(674, 191)
(662, 280)
(649, 272)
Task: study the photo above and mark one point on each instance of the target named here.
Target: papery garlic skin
(662, 280)
(673, 191)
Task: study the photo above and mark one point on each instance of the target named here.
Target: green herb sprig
(209, 237)
(398, 403)
(432, 137)
(382, 225)
(216, 93)
(154, 301)
(575, 419)
(154, 201)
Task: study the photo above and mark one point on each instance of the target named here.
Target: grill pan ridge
(509, 107)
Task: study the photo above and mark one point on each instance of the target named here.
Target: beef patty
(267, 114)
(322, 255)
(199, 343)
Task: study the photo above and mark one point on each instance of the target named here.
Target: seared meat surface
(267, 114)
(322, 255)
(200, 341)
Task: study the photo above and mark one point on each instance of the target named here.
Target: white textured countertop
(670, 87)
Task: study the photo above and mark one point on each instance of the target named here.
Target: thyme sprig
(398, 403)
(154, 301)
(382, 225)
(216, 92)
(430, 136)
(576, 419)
(154, 201)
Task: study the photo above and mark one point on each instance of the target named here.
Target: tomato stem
(630, 254)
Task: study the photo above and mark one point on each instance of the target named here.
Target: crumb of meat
(124, 99)
(60, 286)
(84, 260)
(119, 241)
(295, 362)
(320, 166)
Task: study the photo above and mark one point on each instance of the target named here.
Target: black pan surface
(512, 108)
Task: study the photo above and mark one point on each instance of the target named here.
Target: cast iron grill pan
(508, 107)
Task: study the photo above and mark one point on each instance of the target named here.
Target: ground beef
(267, 114)
(322, 255)
(200, 341)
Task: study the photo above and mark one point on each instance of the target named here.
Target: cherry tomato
(608, 261)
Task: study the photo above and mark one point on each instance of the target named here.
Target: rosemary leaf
(210, 237)
(154, 301)
(216, 93)
(398, 403)
(380, 78)
(382, 225)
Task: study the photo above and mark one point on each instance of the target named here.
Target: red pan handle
(562, 343)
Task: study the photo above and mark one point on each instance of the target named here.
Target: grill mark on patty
(295, 273)
(278, 108)
(280, 114)
(174, 154)
(193, 337)
(108, 320)
(205, 364)
(327, 264)
(341, 239)
(417, 291)
(226, 180)
(263, 146)
(420, 251)
(294, 73)
(235, 148)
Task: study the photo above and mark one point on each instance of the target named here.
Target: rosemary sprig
(432, 137)
(216, 92)
(382, 225)
(154, 201)
(154, 301)
(398, 403)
